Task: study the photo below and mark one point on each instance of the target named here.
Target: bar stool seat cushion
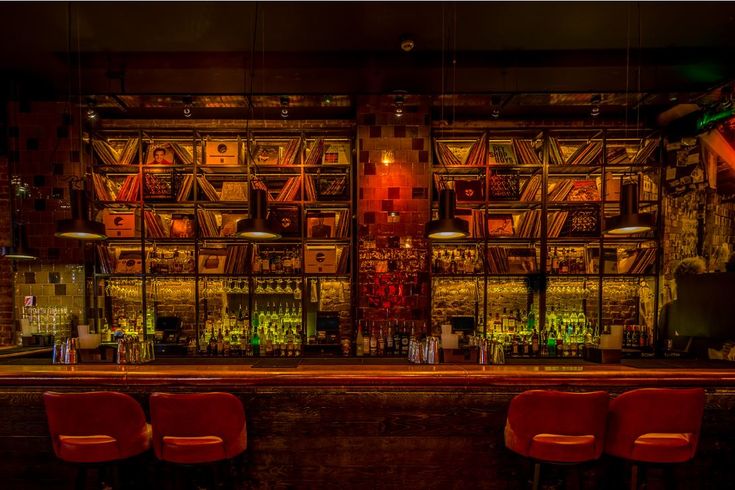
(663, 447)
(88, 449)
(562, 448)
(195, 449)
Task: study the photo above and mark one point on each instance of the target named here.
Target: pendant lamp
(255, 227)
(80, 227)
(447, 227)
(629, 221)
(19, 249)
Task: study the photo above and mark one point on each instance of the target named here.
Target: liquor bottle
(366, 343)
(255, 343)
(212, 347)
(396, 340)
(220, 343)
(389, 345)
(555, 262)
(497, 323)
(636, 341)
(559, 344)
(297, 341)
(359, 347)
(644, 338)
(551, 343)
(504, 320)
(531, 322)
(373, 343)
(534, 343)
(404, 341)
(381, 342)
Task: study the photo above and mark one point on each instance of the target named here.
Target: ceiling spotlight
(495, 101)
(91, 109)
(327, 100)
(187, 106)
(596, 100)
(398, 104)
(407, 44)
(284, 107)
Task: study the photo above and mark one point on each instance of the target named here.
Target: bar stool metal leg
(634, 477)
(536, 475)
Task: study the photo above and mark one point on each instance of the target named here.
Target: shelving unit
(537, 197)
(190, 209)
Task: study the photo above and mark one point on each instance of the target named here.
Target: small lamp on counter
(80, 226)
(447, 226)
(630, 220)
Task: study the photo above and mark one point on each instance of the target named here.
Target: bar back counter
(323, 424)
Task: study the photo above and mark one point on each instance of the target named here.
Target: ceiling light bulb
(284, 106)
(284, 113)
(91, 114)
(187, 111)
(595, 111)
(496, 112)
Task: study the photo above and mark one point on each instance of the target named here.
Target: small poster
(501, 153)
(320, 260)
(336, 153)
(160, 154)
(321, 224)
(221, 153)
(500, 225)
(212, 260)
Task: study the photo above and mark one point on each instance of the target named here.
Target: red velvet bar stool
(556, 427)
(196, 428)
(654, 425)
(95, 427)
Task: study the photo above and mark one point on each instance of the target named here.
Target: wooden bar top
(392, 375)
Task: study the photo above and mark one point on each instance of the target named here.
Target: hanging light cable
(255, 227)
(447, 226)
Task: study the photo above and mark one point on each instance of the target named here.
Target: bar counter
(353, 424)
(337, 372)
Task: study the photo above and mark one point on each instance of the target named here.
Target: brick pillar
(393, 208)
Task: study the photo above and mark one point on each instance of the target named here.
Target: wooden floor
(415, 427)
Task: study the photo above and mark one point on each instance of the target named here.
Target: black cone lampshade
(80, 227)
(255, 227)
(19, 250)
(629, 221)
(447, 226)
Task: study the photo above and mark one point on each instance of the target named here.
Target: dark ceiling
(654, 49)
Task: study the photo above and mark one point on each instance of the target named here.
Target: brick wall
(393, 208)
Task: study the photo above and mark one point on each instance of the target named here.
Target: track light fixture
(187, 106)
(91, 109)
(495, 104)
(398, 105)
(285, 102)
(596, 100)
(447, 226)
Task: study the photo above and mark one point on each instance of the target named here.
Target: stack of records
(106, 259)
(342, 223)
(154, 226)
(186, 188)
(237, 257)
(309, 189)
(556, 222)
(290, 190)
(104, 188)
(208, 191)
(617, 155)
(342, 259)
(291, 151)
(556, 157)
(647, 152)
(109, 155)
(529, 224)
(476, 157)
(208, 226)
(586, 154)
(130, 189)
(315, 152)
(525, 152)
(560, 190)
(183, 153)
(532, 189)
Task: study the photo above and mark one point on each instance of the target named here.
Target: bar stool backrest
(653, 410)
(555, 412)
(97, 413)
(199, 414)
